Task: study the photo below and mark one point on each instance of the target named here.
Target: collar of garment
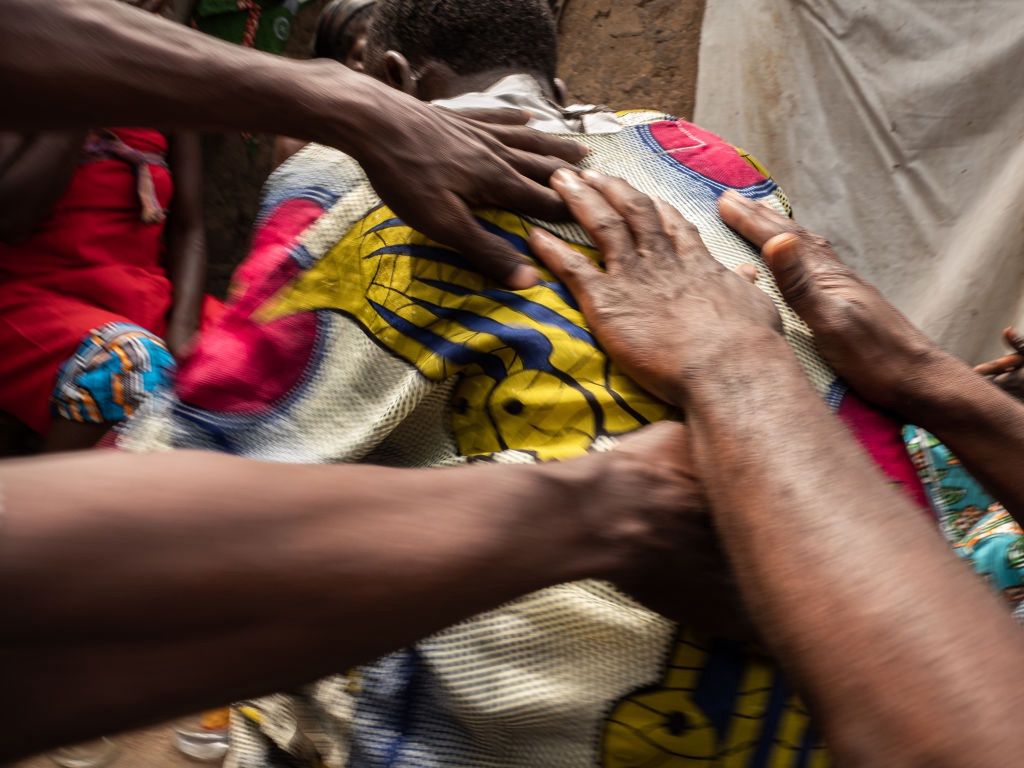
(524, 92)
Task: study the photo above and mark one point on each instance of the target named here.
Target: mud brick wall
(631, 54)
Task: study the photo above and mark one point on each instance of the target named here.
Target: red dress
(92, 261)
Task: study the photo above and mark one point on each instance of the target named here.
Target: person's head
(341, 32)
(435, 49)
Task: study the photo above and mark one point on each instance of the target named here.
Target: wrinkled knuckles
(605, 226)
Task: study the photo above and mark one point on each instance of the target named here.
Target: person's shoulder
(631, 117)
(705, 152)
(317, 173)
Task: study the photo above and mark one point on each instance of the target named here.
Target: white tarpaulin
(897, 129)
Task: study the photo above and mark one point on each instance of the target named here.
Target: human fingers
(536, 142)
(638, 210)
(524, 195)
(757, 223)
(602, 222)
(536, 167)
(501, 116)
(685, 237)
(1011, 382)
(1014, 339)
(448, 220)
(1005, 363)
(1000, 365)
(569, 266)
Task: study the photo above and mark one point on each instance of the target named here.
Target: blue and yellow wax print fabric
(376, 344)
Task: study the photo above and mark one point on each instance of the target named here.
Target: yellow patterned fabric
(414, 359)
(552, 403)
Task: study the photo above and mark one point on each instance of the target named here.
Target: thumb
(785, 256)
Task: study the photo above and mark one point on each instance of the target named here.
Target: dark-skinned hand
(432, 167)
(680, 570)
(869, 342)
(663, 308)
(640, 244)
(1007, 372)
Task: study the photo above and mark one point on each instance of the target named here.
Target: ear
(561, 92)
(398, 73)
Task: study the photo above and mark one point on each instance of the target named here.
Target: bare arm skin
(885, 358)
(96, 62)
(285, 147)
(898, 649)
(186, 242)
(35, 170)
(139, 607)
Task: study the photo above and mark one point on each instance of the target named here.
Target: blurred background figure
(265, 25)
(103, 262)
(341, 32)
(340, 35)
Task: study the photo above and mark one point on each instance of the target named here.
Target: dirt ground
(622, 53)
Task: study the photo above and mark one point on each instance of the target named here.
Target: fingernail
(523, 277)
(590, 175)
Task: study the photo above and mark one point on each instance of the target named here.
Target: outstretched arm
(897, 648)
(145, 586)
(885, 358)
(97, 62)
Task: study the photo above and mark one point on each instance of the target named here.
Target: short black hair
(470, 36)
(336, 28)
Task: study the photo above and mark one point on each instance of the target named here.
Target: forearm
(187, 271)
(118, 65)
(35, 178)
(186, 251)
(849, 585)
(161, 603)
(978, 421)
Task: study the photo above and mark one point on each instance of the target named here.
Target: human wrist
(336, 106)
(701, 377)
(948, 396)
(579, 538)
(935, 389)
